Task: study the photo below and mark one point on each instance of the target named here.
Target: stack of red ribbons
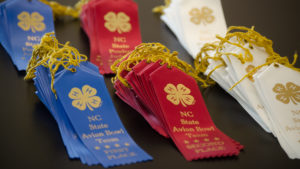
(113, 30)
(170, 101)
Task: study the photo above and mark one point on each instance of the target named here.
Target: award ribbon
(187, 118)
(234, 60)
(261, 80)
(193, 22)
(83, 103)
(162, 88)
(279, 87)
(23, 23)
(115, 33)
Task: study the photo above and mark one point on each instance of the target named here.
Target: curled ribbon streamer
(242, 35)
(160, 9)
(152, 52)
(52, 54)
(62, 10)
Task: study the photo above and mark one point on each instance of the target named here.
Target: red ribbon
(113, 30)
(172, 104)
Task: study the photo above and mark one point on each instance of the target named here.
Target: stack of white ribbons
(279, 88)
(195, 22)
(271, 94)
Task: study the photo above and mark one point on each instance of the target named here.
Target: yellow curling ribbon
(242, 35)
(62, 10)
(52, 54)
(160, 9)
(151, 52)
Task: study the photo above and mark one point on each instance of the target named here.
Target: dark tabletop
(30, 137)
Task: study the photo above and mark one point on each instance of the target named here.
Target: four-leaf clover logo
(33, 21)
(290, 92)
(204, 15)
(117, 22)
(179, 94)
(85, 98)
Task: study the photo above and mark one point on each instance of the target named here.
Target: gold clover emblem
(290, 92)
(117, 22)
(204, 15)
(33, 21)
(179, 94)
(85, 98)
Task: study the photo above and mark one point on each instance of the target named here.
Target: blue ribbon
(87, 119)
(23, 23)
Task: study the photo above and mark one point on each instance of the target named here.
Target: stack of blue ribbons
(89, 124)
